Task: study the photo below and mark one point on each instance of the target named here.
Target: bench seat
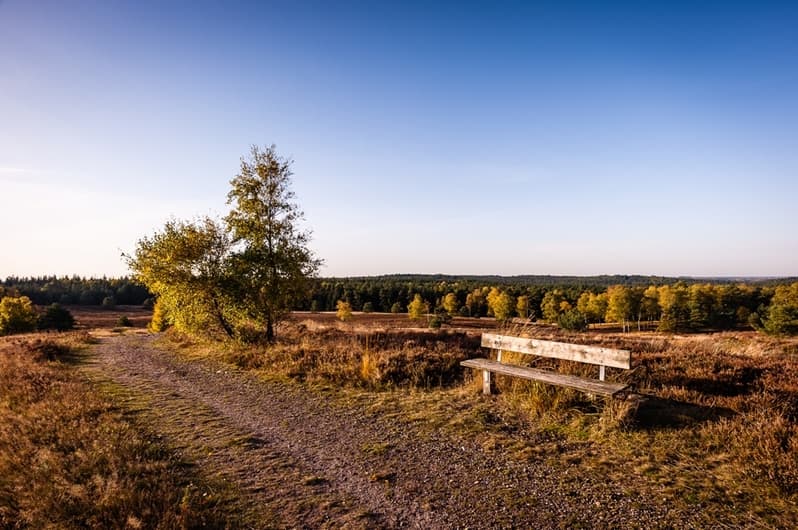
(590, 386)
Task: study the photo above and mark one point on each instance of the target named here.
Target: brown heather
(69, 458)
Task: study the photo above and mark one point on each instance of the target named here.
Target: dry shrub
(378, 359)
(68, 458)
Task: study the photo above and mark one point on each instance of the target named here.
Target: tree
(56, 317)
(649, 304)
(450, 303)
(272, 260)
(592, 306)
(17, 315)
(522, 306)
(188, 267)
(673, 307)
(782, 315)
(344, 311)
(501, 304)
(702, 301)
(417, 308)
(475, 301)
(619, 305)
(552, 305)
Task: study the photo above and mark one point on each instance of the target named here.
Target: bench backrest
(560, 350)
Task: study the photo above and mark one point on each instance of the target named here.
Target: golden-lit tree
(417, 308)
(551, 306)
(619, 305)
(500, 304)
(344, 310)
(17, 315)
(450, 303)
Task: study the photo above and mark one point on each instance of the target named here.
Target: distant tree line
(75, 290)
(632, 302)
(672, 304)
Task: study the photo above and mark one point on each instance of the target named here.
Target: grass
(718, 426)
(72, 458)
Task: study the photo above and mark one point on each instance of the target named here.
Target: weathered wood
(590, 386)
(486, 382)
(560, 350)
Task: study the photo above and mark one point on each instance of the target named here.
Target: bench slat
(560, 350)
(590, 386)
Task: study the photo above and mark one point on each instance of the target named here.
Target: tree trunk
(228, 329)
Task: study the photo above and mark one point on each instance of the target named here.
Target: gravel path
(303, 461)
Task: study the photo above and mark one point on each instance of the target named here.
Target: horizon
(459, 276)
(500, 139)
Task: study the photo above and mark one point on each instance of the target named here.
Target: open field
(372, 423)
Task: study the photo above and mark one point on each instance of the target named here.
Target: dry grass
(71, 459)
(375, 359)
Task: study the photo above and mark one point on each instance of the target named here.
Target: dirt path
(303, 461)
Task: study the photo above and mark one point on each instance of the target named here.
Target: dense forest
(74, 290)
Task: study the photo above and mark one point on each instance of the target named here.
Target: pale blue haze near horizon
(459, 138)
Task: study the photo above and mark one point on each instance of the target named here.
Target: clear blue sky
(464, 138)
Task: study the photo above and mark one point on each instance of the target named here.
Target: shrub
(109, 302)
(124, 322)
(572, 320)
(344, 311)
(396, 308)
(56, 317)
(17, 315)
(148, 303)
(368, 307)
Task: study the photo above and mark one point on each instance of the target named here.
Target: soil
(305, 458)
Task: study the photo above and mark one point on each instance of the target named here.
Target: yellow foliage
(344, 312)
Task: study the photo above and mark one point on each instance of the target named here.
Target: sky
(563, 138)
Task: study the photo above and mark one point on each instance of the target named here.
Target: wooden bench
(603, 357)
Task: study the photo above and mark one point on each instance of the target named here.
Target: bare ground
(304, 458)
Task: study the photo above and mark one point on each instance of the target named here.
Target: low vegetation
(71, 458)
(718, 424)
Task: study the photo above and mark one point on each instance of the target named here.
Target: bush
(124, 322)
(344, 312)
(17, 315)
(368, 307)
(396, 308)
(148, 303)
(56, 317)
(109, 302)
(572, 320)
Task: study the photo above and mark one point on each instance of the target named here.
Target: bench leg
(486, 382)
(601, 373)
